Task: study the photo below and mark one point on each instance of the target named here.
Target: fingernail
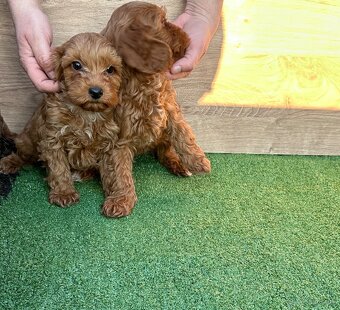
(176, 70)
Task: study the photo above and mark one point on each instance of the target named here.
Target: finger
(42, 53)
(39, 78)
(187, 63)
(50, 86)
(181, 67)
(177, 76)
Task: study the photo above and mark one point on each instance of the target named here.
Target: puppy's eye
(76, 65)
(110, 70)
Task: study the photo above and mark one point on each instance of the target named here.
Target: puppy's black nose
(95, 92)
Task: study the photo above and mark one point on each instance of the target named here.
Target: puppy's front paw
(118, 207)
(200, 166)
(63, 199)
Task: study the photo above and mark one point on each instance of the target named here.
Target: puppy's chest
(85, 144)
(146, 124)
(74, 137)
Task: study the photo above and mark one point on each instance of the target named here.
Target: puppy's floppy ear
(140, 50)
(57, 55)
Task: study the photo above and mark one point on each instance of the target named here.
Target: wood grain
(243, 129)
(283, 54)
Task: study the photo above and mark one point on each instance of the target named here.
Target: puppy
(148, 115)
(7, 146)
(74, 131)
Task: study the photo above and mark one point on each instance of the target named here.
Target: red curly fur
(148, 115)
(71, 130)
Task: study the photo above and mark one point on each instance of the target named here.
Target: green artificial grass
(259, 232)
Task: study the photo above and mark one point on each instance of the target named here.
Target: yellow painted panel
(279, 54)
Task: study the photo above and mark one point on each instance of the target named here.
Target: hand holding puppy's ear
(140, 50)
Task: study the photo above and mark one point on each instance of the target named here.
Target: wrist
(20, 6)
(209, 10)
(204, 5)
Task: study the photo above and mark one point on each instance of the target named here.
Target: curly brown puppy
(74, 130)
(148, 115)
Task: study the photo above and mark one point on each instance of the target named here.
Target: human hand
(34, 38)
(200, 21)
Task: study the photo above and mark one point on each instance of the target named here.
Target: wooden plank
(266, 131)
(256, 129)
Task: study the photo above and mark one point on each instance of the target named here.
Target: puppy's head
(89, 71)
(144, 38)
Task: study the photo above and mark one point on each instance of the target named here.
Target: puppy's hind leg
(24, 154)
(183, 140)
(11, 164)
(168, 157)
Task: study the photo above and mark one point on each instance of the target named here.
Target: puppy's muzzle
(95, 92)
